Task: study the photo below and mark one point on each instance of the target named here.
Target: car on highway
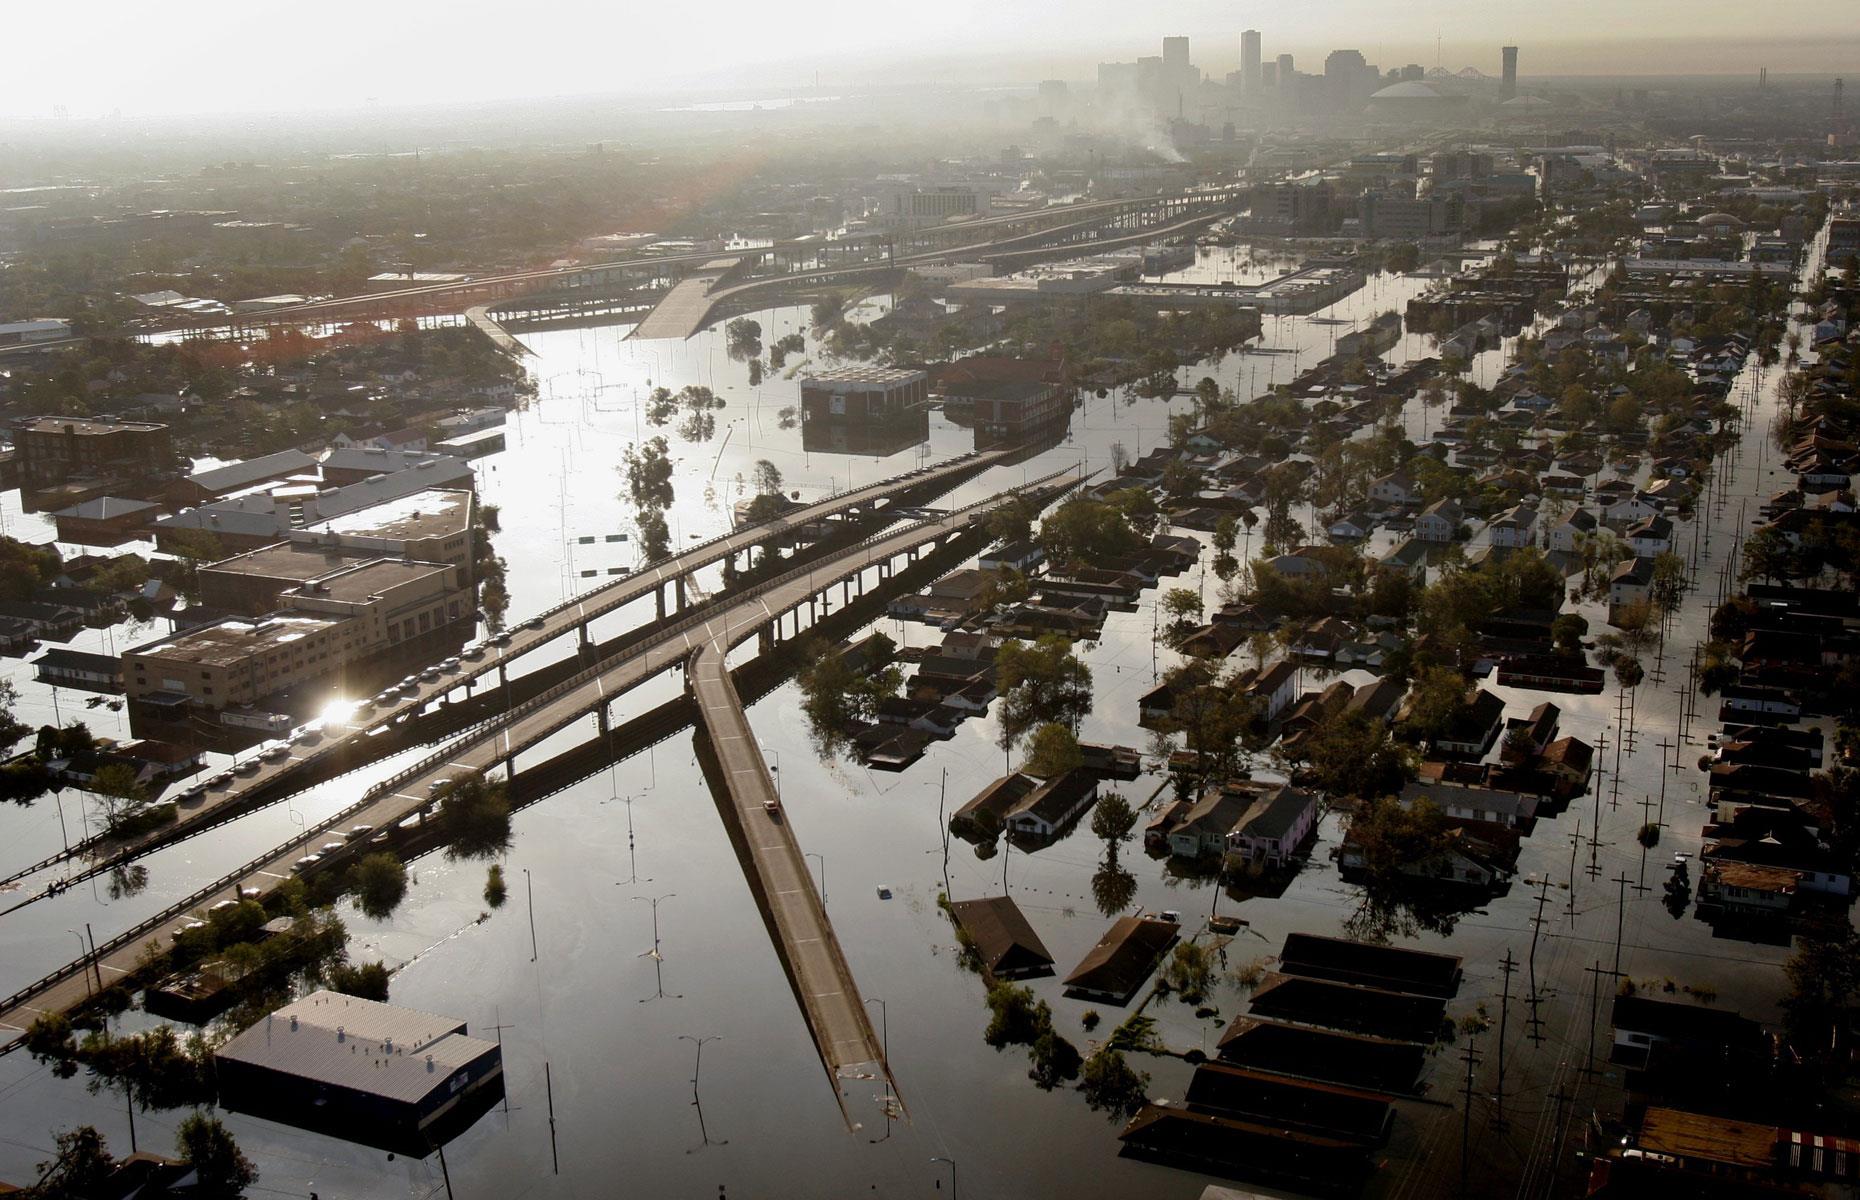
(277, 753)
(358, 832)
(410, 689)
(307, 736)
(220, 780)
(195, 794)
(430, 675)
(331, 847)
(474, 653)
(181, 931)
(439, 784)
(249, 893)
(772, 807)
(248, 767)
(305, 863)
(451, 664)
(222, 906)
(502, 639)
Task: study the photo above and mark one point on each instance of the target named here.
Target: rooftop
(344, 1041)
(352, 585)
(228, 643)
(878, 376)
(434, 512)
(85, 426)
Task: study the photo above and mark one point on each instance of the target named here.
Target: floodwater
(598, 1038)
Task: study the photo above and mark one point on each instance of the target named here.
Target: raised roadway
(567, 617)
(412, 791)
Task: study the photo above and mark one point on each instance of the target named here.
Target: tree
(1051, 751)
(1040, 682)
(1182, 606)
(1189, 971)
(836, 698)
(1824, 981)
(1011, 522)
(1083, 529)
(120, 794)
(1112, 820)
(80, 1171)
(1110, 1085)
(1351, 755)
(476, 815)
(1055, 1060)
(368, 980)
(648, 469)
(206, 1146)
(1393, 837)
(194, 547)
(767, 478)
(11, 727)
(494, 890)
(1016, 1017)
(655, 535)
(1436, 702)
(380, 881)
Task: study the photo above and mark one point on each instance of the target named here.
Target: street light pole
(952, 1173)
(697, 1066)
(884, 1039)
(82, 955)
(823, 874)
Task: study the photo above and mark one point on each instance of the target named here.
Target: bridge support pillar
(603, 720)
(765, 639)
(587, 640)
(503, 680)
(678, 586)
(658, 598)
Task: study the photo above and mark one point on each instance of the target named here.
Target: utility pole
(1471, 1059)
(1537, 923)
(497, 1015)
(1620, 918)
(1504, 1015)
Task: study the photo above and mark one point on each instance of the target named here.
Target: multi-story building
(863, 395)
(339, 627)
(1508, 85)
(1012, 411)
(56, 450)
(1410, 219)
(1250, 80)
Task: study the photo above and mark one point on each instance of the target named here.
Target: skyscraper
(1285, 69)
(1509, 85)
(1250, 81)
(1175, 56)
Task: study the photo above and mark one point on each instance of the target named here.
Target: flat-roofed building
(53, 450)
(435, 525)
(338, 625)
(387, 1076)
(863, 394)
(216, 482)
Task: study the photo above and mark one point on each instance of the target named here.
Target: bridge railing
(432, 761)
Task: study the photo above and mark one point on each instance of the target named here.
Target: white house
(1439, 521)
(1568, 535)
(1516, 526)
(1274, 688)
(1397, 487)
(1650, 537)
(1629, 510)
(1630, 584)
(1274, 827)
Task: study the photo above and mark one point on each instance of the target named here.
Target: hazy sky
(96, 56)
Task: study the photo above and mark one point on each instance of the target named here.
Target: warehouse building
(394, 1078)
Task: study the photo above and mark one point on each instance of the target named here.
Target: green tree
(81, 1169)
(119, 793)
(494, 890)
(767, 478)
(1052, 750)
(1055, 1060)
(648, 469)
(205, 1145)
(655, 535)
(475, 813)
(1436, 701)
(1189, 971)
(1111, 1086)
(380, 882)
(1040, 682)
(837, 699)
(367, 980)
(1082, 530)
(1015, 1016)
(1113, 819)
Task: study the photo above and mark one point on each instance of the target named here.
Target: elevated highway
(276, 779)
(414, 791)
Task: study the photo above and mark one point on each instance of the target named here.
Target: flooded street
(599, 1034)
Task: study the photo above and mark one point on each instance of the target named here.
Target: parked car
(305, 863)
(358, 832)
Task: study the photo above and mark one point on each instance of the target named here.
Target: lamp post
(83, 954)
(952, 1173)
(884, 1039)
(823, 874)
(697, 1065)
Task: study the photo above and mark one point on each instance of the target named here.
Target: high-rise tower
(1250, 81)
(1508, 87)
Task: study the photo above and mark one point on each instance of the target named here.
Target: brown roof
(1124, 957)
(1005, 941)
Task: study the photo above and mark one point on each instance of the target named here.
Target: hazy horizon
(228, 60)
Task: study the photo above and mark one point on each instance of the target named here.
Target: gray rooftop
(397, 1053)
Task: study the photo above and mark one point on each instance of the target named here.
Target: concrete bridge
(665, 581)
(804, 938)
